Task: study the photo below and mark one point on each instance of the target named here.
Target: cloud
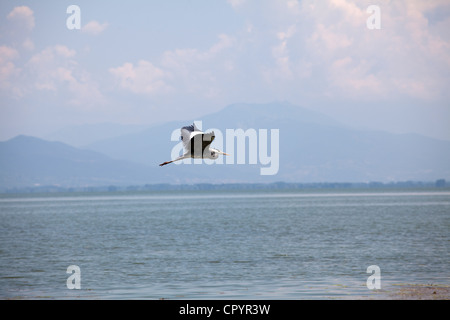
(8, 70)
(203, 73)
(7, 53)
(235, 3)
(324, 49)
(55, 69)
(43, 70)
(225, 42)
(144, 78)
(28, 44)
(282, 68)
(94, 28)
(23, 16)
(354, 78)
(353, 14)
(303, 51)
(19, 24)
(186, 70)
(408, 57)
(52, 70)
(183, 58)
(293, 6)
(331, 38)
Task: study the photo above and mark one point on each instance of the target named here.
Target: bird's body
(197, 145)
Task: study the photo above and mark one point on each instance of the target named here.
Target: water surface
(221, 244)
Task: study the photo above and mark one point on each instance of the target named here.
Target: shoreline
(409, 291)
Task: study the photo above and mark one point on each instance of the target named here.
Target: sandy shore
(415, 292)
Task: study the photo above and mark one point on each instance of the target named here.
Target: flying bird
(197, 145)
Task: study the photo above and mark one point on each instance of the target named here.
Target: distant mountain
(153, 145)
(313, 148)
(81, 135)
(29, 161)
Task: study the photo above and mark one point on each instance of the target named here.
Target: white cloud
(425, 6)
(286, 45)
(144, 78)
(408, 57)
(224, 42)
(28, 44)
(302, 51)
(8, 70)
(85, 92)
(330, 39)
(203, 73)
(353, 14)
(182, 59)
(52, 70)
(293, 6)
(236, 3)
(19, 24)
(186, 71)
(323, 48)
(94, 28)
(281, 56)
(7, 54)
(23, 16)
(44, 68)
(354, 79)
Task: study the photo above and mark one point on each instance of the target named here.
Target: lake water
(222, 244)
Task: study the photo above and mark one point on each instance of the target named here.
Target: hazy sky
(152, 61)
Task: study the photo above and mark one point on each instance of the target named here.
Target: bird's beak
(224, 153)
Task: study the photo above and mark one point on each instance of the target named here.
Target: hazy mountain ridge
(81, 135)
(154, 142)
(313, 148)
(28, 161)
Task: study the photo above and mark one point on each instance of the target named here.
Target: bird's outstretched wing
(199, 144)
(207, 138)
(195, 142)
(187, 133)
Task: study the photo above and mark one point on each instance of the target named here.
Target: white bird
(197, 145)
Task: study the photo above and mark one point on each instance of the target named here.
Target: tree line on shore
(440, 183)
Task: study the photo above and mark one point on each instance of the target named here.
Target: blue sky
(136, 62)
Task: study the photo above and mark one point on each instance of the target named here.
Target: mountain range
(312, 148)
